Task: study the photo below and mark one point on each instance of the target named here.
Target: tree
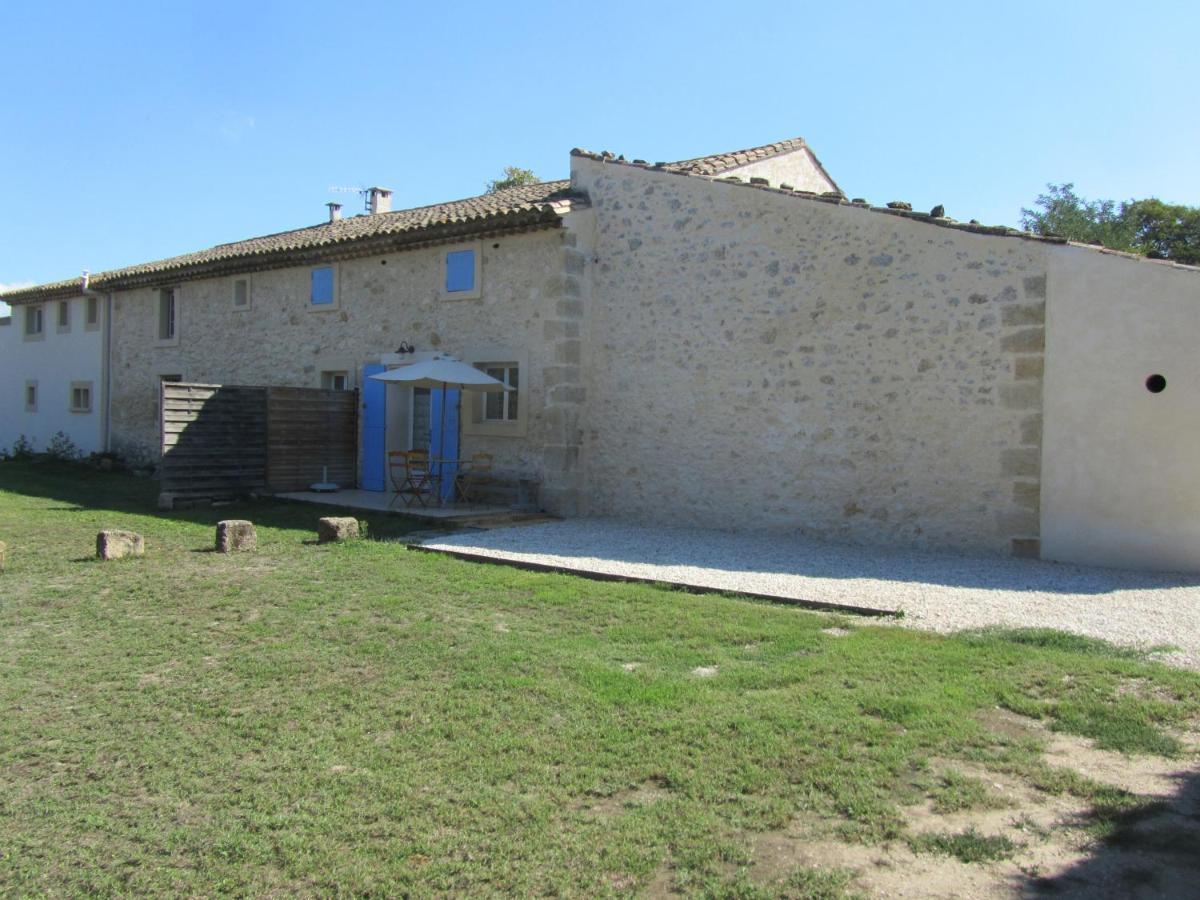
(1149, 227)
(1066, 214)
(513, 177)
(1166, 231)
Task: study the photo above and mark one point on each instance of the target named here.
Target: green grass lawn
(363, 719)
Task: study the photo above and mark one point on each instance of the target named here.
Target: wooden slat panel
(221, 440)
(311, 430)
(214, 439)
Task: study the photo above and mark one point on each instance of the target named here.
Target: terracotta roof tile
(692, 168)
(527, 206)
(723, 162)
(720, 163)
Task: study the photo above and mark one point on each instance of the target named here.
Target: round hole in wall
(383, 262)
(495, 246)
(1156, 384)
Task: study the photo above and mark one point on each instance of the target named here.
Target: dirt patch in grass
(653, 790)
(998, 834)
(1149, 776)
(1145, 689)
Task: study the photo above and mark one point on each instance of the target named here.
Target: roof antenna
(365, 193)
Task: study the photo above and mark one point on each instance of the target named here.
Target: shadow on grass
(1148, 850)
(88, 490)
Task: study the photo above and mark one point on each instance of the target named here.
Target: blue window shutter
(322, 286)
(372, 467)
(460, 271)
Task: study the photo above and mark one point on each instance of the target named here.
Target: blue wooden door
(373, 465)
(443, 442)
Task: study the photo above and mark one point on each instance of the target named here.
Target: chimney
(380, 200)
(335, 211)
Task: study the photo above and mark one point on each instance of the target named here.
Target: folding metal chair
(477, 474)
(411, 476)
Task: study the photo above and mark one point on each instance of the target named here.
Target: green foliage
(1149, 227)
(967, 846)
(958, 792)
(513, 177)
(62, 448)
(22, 449)
(1052, 639)
(1166, 231)
(1066, 214)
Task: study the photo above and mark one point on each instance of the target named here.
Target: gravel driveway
(936, 591)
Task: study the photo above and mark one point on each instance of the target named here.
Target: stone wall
(798, 169)
(764, 361)
(382, 300)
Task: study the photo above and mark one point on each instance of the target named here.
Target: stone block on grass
(116, 543)
(234, 535)
(336, 528)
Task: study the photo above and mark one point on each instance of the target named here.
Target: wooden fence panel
(310, 431)
(231, 440)
(214, 440)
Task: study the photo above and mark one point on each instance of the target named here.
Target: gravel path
(936, 591)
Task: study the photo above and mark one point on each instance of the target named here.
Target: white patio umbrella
(444, 371)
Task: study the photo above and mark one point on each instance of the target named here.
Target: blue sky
(134, 131)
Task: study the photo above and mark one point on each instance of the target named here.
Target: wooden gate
(221, 441)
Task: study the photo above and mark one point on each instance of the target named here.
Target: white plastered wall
(55, 360)
(1121, 465)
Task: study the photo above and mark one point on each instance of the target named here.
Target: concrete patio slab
(381, 501)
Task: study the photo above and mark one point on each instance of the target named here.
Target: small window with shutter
(241, 293)
(168, 312)
(323, 289)
(91, 320)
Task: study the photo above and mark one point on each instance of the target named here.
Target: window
(502, 414)
(81, 396)
(461, 276)
(167, 316)
(502, 405)
(324, 291)
(92, 320)
(335, 381)
(241, 293)
(31, 396)
(64, 315)
(33, 323)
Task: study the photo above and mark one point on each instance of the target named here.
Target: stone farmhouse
(726, 342)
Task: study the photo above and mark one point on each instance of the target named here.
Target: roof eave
(549, 215)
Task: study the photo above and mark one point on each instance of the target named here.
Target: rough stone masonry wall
(383, 300)
(797, 169)
(566, 394)
(762, 361)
